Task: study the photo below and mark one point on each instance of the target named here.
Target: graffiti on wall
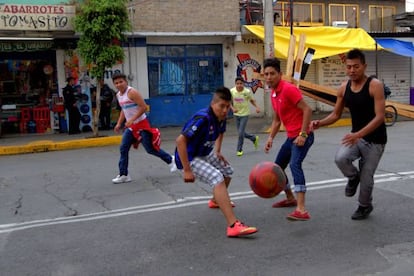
(246, 69)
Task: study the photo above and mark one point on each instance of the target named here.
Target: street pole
(268, 26)
(269, 48)
(291, 16)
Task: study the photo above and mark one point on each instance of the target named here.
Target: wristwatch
(303, 134)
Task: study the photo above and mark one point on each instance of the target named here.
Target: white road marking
(184, 202)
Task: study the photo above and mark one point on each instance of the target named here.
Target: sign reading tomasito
(36, 17)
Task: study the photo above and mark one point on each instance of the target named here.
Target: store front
(29, 38)
(27, 82)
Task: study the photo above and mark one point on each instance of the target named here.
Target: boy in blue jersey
(194, 155)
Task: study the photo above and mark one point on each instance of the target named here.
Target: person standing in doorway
(290, 109)
(137, 128)
(107, 96)
(70, 96)
(364, 97)
(241, 96)
(195, 156)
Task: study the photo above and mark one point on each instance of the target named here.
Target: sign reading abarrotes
(27, 17)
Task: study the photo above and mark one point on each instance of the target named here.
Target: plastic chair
(25, 117)
(41, 116)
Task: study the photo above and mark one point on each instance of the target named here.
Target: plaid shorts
(210, 169)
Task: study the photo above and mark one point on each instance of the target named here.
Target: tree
(102, 25)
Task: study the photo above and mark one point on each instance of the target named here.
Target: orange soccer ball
(267, 179)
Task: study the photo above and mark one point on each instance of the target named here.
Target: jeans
(241, 122)
(105, 116)
(369, 155)
(293, 155)
(128, 139)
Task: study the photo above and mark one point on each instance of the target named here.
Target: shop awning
(399, 47)
(327, 41)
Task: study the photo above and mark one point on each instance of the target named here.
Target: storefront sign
(25, 46)
(36, 17)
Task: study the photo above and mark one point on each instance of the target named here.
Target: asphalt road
(60, 215)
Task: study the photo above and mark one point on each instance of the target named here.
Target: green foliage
(102, 25)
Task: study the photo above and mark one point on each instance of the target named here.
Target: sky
(409, 5)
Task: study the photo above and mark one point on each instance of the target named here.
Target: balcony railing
(251, 13)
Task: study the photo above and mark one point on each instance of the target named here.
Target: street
(61, 215)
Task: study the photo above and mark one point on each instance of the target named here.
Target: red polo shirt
(284, 99)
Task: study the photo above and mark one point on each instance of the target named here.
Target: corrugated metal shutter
(394, 70)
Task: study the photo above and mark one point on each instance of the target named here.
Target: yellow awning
(327, 41)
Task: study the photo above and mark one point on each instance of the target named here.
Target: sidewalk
(32, 143)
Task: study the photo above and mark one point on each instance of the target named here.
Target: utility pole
(269, 48)
(269, 43)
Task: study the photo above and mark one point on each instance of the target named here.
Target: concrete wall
(185, 16)
(36, 2)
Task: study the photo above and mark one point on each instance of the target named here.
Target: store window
(184, 69)
(304, 14)
(380, 18)
(27, 80)
(27, 77)
(344, 12)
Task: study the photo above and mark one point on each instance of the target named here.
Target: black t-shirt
(362, 108)
(69, 95)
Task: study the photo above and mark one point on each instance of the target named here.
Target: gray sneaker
(121, 179)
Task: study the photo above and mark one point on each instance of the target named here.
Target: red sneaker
(285, 203)
(213, 205)
(297, 215)
(240, 229)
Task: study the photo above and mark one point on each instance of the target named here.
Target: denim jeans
(292, 155)
(241, 122)
(128, 139)
(369, 155)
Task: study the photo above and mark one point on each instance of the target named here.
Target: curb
(339, 123)
(48, 145)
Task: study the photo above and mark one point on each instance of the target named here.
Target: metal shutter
(394, 70)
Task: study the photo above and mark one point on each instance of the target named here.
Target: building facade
(179, 51)
(32, 33)
(378, 18)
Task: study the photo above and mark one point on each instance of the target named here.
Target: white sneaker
(172, 165)
(121, 179)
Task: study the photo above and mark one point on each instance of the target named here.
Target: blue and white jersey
(202, 131)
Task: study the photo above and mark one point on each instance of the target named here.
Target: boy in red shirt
(290, 109)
